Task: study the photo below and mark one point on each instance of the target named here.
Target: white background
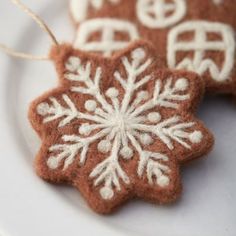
(31, 207)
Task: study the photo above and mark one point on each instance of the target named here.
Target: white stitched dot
(163, 181)
(106, 193)
(72, 64)
(146, 139)
(85, 129)
(43, 108)
(182, 84)
(90, 105)
(52, 163)
(104, 146)
(112, 92)
(142, 95)
(154, 117)
(196, 137)
(138, 53)
(126, 153)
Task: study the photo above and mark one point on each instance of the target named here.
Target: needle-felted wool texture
(120, 127)
(197, 35)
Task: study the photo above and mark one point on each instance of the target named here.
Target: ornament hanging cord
(40, 23)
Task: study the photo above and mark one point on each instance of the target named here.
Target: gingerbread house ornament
(195, 35)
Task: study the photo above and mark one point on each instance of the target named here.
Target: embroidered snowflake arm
(66, 152)
(171, 93)
(68, 113)
(55, 111)
(74, 145)
(167, 96)
(133, 69)
(108, 173)
(82, 73)
(149, 163)
(172, 129)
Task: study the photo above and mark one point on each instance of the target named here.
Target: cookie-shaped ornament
(197, 35)
(120, 127)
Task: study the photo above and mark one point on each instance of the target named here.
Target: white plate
(29, 206)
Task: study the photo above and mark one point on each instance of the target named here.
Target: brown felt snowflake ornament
(119, 128)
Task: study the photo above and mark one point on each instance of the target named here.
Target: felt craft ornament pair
(122, 131)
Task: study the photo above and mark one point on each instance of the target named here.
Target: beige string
(40, 23)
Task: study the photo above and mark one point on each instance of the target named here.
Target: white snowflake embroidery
(160, 13)
(107, 44)
(200, 45)
(121, 128)
(79, 8)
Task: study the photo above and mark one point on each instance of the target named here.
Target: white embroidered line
(150, 162)
(133, 69)
(107, 27)
(200, 45)
(83, 74)
(69, 152)
(56, 111)
(109, 172)
(171, 129)
(160, 13)
(166, 98)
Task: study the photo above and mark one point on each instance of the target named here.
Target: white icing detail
(79, 8)
(160, 13)
(109, 171)
(126, 153)
(104, 146)
(55, 111)
(200, 45)
(106, 193)
(196, 137)
(107, 27)
(145, 139)
(163, 181)
(85, 129)
(150, 161)
(43, 108)
(112, 93)
(154, 117)
(73, 64)
(182, 84)
(142, 95)
(138, 54)
(90, 105)
(121, 126)
(53, 163)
